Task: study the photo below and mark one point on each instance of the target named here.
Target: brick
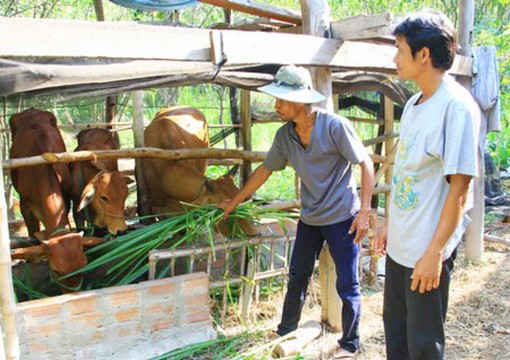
(82, 305)
(91, 320)
(167, 288)
(50, 309)
(49, 329)
(194, 285)
(195, 300)
(162, 325)
(41, 346)
(129, 329)
(198, 315)
(124, 298)
(161, 309)
(131, 314)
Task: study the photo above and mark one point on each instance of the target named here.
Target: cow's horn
(233, 171)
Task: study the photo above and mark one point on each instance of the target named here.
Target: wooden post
(316, 22)
(10, 341)
(475, 230)
(389, 127)
(246, 131)
(143, 207)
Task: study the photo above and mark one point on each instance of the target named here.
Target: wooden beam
(241, 48)
(362, 27)
(258, 9)
(50, 38)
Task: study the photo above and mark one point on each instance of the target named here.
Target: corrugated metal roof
(156, 5)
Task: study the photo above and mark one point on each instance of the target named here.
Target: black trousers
(345, 254)
(414, 322)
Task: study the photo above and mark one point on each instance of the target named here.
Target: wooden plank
(362, 26)
(247, 48)
(50, 38)
(258, 9)
(244, 48)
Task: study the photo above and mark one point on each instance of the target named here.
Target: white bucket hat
(293, 84)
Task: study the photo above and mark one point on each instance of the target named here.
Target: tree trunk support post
(475, 230)
(316, 21)
(246, 131)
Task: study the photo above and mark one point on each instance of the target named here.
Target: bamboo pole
(52, 158)
(7, 299)
(207, 153)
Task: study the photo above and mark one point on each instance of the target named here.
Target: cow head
(29, 119)
(106, 194)
(219, 190)
(65, 255)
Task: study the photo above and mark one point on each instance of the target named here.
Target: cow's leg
(31, 221)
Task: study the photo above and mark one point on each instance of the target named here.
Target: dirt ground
(478, 322)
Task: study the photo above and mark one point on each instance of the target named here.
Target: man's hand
(360, 224)
(229, 206)
(381, 239)
(427, 272)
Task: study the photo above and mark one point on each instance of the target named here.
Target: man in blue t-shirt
(435, 161)
(321, 147)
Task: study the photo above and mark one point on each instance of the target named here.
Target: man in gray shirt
(322, 148)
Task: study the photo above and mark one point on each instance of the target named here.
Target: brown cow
(64, 251)
(171, 181)
(44, 189)
(98, 184)
(44, 195)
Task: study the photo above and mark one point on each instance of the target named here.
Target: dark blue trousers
(308, 244)
(414, 322)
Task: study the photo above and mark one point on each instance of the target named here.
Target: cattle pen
(225, 57)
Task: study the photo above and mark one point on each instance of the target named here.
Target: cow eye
(104, 198)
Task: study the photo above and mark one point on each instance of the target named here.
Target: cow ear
(12, 125)
(90, 241)
(105, 164)
(232, 172)
(209, 185)
(128, 180)
(32, 253)
(86, 197)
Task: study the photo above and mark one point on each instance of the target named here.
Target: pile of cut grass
(124, 259)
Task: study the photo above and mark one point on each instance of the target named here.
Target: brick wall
(125, 322)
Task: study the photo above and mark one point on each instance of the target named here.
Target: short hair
(433, 30)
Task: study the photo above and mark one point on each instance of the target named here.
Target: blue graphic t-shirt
(437, 138)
